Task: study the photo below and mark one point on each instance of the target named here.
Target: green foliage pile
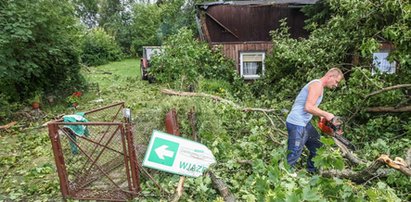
(27, 171)
(293, 62)
(99, 48)
(38, 49)
(235, 137)
(350, 29)
(185, 60)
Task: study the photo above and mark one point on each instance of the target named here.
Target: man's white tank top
(298, 116)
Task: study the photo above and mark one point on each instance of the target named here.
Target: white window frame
(255, 76)
(379, 59)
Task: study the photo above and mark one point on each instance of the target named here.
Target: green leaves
(99, 48)
(328, 157)
(39, 48)
(186, 59)
(369, 46)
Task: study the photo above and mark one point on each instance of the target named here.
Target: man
(300, 131)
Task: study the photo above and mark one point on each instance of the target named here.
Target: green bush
(185, 59)
(38, 48)
(99, 48)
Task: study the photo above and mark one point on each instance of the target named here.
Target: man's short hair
(336, 72)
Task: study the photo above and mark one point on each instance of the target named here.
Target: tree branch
(375, 93)
(179, 190)
(216, 98)
(408, 157)
(347, 153)
(190, 94)
(274, 127)
(387, 89)
(221, 187)
(389, 109)
(9, 125)
(371, 171)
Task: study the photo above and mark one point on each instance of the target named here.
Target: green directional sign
(164, 152)
(177, 155)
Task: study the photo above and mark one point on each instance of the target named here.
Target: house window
(252, 65)
(381, 64)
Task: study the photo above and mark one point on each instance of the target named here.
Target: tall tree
(87, 11)
(115, 17)
(145, 29)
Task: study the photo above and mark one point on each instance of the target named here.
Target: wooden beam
(221, 24)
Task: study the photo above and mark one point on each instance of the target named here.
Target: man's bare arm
(314, 92)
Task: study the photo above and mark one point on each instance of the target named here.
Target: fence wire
(96, 165)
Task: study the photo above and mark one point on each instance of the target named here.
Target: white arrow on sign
(162, 151)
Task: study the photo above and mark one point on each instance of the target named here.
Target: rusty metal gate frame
(77, 189)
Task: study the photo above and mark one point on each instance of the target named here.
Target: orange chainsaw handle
(323, 125)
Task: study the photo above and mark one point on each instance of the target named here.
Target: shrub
(185, 59)
(38, 48)
(99, 48)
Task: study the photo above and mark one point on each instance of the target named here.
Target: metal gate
(99, 164)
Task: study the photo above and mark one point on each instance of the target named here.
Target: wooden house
(243, 28)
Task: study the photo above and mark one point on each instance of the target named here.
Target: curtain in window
(250, 68)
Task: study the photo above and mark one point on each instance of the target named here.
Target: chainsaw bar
(346, 142)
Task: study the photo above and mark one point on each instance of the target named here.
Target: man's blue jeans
(298, 137)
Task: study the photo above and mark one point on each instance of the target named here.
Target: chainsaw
(334, 128)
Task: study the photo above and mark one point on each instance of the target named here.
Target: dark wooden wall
(238, 23)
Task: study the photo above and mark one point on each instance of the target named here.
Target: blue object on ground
(75, 130)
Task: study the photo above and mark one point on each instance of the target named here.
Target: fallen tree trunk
(371, 171)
